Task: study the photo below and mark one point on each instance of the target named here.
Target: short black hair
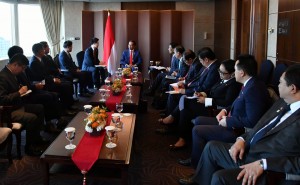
(134, 43)
(20, 59)
(67, 43)
(94, 40)
(180, 49)
(292, 75)
(44, 43)
(36, 48)
(206, 52)
(173, 44)
(229, 65)
(248, 64)
(189, 54)
(14, 50)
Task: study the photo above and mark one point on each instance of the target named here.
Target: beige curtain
(51, 11)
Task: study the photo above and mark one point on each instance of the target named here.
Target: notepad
(29, 91)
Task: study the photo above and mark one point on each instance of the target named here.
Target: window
(31, 27)
(30, 24)
(5, 31)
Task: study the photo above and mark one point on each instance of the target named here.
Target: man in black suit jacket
(31, 116)
(247, 160)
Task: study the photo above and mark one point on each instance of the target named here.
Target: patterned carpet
(152, 163)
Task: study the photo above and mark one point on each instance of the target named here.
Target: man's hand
(221, 114)
(237, 150)
(182, 91)
(39, 86)
(56, 80)
(201, 99)
(180, 84)
(23, 90)
(250, 173)
(168, 69)
(174, 73)
(222, 122)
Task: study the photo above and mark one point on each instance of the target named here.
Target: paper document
(175, 86)
(172, 92)
(191, 97)
(29, 91)
(170, 77)
(100, 65)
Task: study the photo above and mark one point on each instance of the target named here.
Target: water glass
(110, 132)
(102, 94)
(151, 63)
(87, 109)
(70, 135)
(157, 63)
(119, 107)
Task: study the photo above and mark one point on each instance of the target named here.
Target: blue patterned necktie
(269, 127)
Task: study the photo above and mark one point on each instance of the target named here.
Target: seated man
(273, 144)
(66, 63)
(90, 60)
(31, 116)
(52, 83)
(131, 57)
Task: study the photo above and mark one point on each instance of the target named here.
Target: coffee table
(118, 157)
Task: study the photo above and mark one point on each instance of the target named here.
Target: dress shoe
(187, 181)
(86, 95)
(70, 113)
(185, 162)
(89, 92)
(51, 128)
(73, 108)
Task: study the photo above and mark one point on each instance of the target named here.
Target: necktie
(130, 57)
(198, 76)
(269, 127)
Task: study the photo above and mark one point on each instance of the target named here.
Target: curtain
(51, 11)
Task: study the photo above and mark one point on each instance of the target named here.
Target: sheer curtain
(51, 11)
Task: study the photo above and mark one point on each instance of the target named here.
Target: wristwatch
(261, 163)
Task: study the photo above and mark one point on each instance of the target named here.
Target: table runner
(88, 149)
(112, 100)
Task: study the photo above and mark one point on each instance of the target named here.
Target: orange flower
(95, 124)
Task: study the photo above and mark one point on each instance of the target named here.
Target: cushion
(4, 132)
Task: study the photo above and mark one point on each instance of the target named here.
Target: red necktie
(130, 58)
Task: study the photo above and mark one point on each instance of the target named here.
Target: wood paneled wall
(288, 37)
(153, 30)
(222, 29)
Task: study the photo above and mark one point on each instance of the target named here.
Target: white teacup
(87, 108)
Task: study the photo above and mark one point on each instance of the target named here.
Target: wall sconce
(271, 30)
(204, 35)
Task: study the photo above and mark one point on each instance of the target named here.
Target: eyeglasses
(222, 73)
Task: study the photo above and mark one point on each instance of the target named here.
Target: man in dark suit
(31, 116)
(66, 63)
(131, 56)
(90, 60)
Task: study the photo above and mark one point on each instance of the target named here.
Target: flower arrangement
(96, 120)
(126, 71)
(117, 86)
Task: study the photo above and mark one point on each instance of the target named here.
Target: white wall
(272, 26)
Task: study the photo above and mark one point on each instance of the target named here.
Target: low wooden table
(129, 104)
(118, 157)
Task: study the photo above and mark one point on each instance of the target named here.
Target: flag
(109, 48)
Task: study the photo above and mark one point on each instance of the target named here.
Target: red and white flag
(109, 48)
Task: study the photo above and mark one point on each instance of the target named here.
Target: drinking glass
(87, 109)
(110, 132)
(116, 119)
(120, 70)
(107, 83)
(136, 68)
(119, 107)
(102, 94)
(70, 135)
(151, 63)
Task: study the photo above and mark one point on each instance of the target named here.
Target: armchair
(5, 137)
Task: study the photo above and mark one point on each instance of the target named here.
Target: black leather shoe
(89, 92)
(185, 162)
(162, 131)
(84, 95)
(187, 181)
(50, 128)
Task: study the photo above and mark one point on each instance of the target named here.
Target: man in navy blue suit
(90, 60)
(131, 56)
(252, 102)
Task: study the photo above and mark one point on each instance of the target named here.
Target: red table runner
(88, 149)
(112, 100)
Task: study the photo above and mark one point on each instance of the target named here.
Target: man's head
(206, 56)
(46, 47)
(68, 46)
(18, 63)
(245, 67)
(94, 42)
(14, 50)
(289, 84)
(131, 45)
(189, 57)
(179, 50)
(38, 50)
(171, 47)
